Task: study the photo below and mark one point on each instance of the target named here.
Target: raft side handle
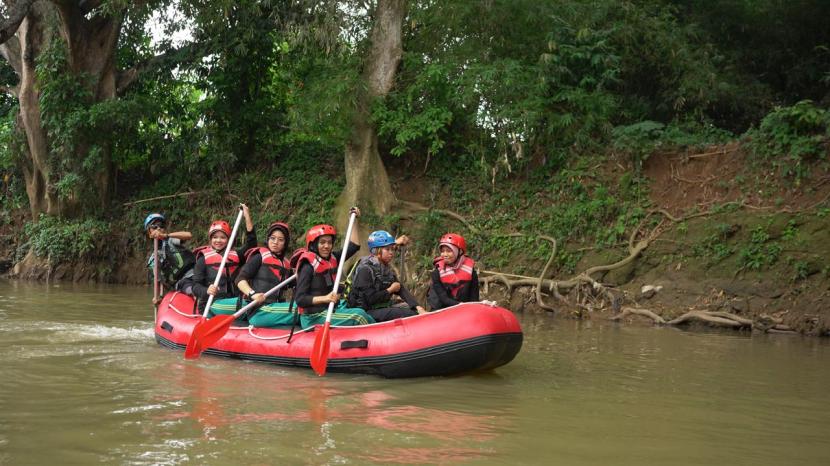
(348, 344)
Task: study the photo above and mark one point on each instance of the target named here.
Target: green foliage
(800, 269)
(778, 49)
(418, 117)
(12, 189)
(638, 140)
(714, 247)
(66, 241)
(760, 253)
(791, 138)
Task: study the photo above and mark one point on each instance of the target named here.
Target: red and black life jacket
(272, 271)
(455, 277)
(212, 261)
(325, 271)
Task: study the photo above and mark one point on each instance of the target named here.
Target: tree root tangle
(763, 323)
(583, 293)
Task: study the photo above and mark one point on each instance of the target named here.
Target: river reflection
(84, 382)
(361, 418)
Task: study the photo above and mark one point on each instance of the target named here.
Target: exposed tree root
(763, 323)
(584, 293)
(417, 207)
(627, 311)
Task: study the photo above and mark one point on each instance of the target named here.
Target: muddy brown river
(84, 382)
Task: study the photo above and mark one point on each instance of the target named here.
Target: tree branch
(11, 52)
(16, 14)
(87, 6)
(185, 193)
(10, 90)
(128, 77)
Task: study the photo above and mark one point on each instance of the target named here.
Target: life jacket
(325, 271)
(174, 263)
(212, 261)
(382, 278)
(272, 271)
(455, 277)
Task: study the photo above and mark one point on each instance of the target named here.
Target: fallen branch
(186, 193)
(709, 154)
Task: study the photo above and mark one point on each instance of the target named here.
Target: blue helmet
(380, 238)
(152, 218)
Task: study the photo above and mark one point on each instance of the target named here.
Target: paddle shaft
(268, 293)
(155, 270)
(224, 259)
(340, 264)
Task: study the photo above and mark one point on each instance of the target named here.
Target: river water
(83, 382)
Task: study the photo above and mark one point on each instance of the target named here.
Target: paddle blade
(214, 330)
(206, 333)
(193, 348)
(320, 351)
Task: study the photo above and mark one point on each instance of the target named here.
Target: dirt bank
(722, 237)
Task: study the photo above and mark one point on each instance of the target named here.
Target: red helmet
(219, 225)
(317, 231)
(454, 239)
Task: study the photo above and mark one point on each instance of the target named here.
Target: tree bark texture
(90, 41)
(367, 183)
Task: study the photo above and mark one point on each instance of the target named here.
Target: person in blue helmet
(175, 259)
(375, 286)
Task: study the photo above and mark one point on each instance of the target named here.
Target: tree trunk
(90, 43)
(36, 168)
(367, 184)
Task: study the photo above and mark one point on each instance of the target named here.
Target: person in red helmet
(454, 279)
(316, 271)
(265, 268)
(208, 259)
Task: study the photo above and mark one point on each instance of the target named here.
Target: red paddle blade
(206, 333)
(193, 348)
(214, 329)
(320, 351)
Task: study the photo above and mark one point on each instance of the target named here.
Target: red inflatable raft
(466, 337)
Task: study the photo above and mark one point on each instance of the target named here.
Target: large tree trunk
(36, 168)
(90, 44)
(367, 184)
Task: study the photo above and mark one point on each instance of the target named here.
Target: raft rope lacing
(251, 332)
(175, 309)
(251, 328)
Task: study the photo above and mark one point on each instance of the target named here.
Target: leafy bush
(760, 253)
(66, 241)
(715, 246)
(791, 138)
(638, 140)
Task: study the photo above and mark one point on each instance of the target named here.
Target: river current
(84, 382)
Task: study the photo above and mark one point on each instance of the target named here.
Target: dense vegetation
(504, 106)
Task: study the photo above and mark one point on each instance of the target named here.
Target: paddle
(228, 248)
(320, 351)
(191, 342)
(208, 332)
(155, 272)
